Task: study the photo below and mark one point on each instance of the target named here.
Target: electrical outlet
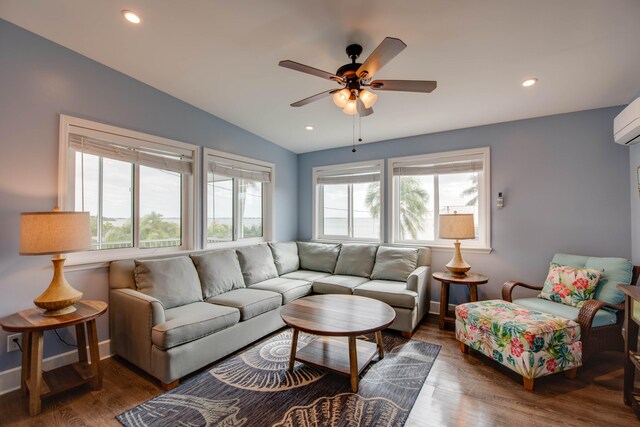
(12, 342)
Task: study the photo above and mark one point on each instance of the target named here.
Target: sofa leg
(571, 373)
(407, 334)
(463, 347)
(171, 385)
(528, 383)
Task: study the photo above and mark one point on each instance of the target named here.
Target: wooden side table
(32, 324)
(472, 280)
(632, 355)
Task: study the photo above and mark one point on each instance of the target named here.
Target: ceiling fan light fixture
(131, 16)
(367, 98)
(529, 82)
(350, 108)
(341, 97)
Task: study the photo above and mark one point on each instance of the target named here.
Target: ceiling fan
(354, 78)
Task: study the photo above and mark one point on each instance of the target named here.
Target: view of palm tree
(414, 201)
(472, 190)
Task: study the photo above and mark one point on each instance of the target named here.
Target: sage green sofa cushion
(307, 275)
(394, 263)
(338, 284)
(285, 256)
(356, 259)
(191, 322)
(250, 302)
(318, 256)
(615, 271)
(602, 317)
(256, 263)
(172, 281)
(219, 272)
(393, 293)
(290, 289)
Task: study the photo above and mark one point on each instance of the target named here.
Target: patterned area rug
(254, 388)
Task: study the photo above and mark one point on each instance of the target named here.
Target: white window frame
(66, 171)
(268, 205)
(317, 203)
(483, 244)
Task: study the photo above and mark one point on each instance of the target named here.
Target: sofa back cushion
(356, 259)
(318, 256)
(173, 281)
(285, 256)
(394, 263)
(256, 263)
(219, 272)
(614, 271)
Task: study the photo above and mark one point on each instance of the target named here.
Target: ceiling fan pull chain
(353, 133)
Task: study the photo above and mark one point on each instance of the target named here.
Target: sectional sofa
(172, 316)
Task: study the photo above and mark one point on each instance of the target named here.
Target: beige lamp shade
(54, 232)
(456, 226)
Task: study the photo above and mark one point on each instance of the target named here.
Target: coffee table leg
(353, 362)
(294, 347)
(35, 377)
(379, 342)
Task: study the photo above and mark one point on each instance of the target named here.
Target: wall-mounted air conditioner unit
(626, 125)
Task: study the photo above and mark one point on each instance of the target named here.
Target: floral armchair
(601, 318)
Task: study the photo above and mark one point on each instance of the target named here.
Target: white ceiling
(222, 56)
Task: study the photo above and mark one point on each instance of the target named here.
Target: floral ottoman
(529, 342)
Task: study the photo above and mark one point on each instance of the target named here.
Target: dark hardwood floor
(461, 390)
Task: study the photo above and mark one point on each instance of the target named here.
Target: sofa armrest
(588, 312)
(417, 278)
(132, 314)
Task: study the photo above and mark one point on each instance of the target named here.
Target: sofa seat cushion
(250, 302)
(356, 259)
(307, 275)
(337, 284)
(602, 317)
(191, 322)
(393, 293)
(290, 289)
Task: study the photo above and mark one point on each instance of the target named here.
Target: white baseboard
(10, 379)
(434, 307)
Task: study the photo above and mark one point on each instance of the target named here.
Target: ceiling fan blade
(385, 52)
(296, 66)
(313, 98)
(426, 86)
(362, 111)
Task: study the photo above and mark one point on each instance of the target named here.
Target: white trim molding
(10, 379)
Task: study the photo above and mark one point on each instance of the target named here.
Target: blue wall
(565, 182)
(39, 80)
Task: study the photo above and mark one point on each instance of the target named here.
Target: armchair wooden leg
(171, 385)
(463, 347)
(407, 334)
(528, 383)
(571, 373)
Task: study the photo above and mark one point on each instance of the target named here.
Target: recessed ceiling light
(308, 127)
(529, 82)
(131, 16)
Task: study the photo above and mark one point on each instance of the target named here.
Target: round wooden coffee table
(332, 316)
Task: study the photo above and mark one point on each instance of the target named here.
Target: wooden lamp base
(59, 297)
(458, 266)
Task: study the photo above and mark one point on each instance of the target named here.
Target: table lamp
(55, 233)
(457, 226)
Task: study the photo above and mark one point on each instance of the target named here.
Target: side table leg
(380, 344)
(353, 362)
(35, 377)
(473, 293)
(26, 362)
(81, 340)
(294, 348)
(444, 303)
(95, 355)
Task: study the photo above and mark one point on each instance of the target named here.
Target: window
(138, 188)
(423, 187)
(238, 196)
(348, 201)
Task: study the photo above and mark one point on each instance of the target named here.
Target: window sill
(94, 259)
